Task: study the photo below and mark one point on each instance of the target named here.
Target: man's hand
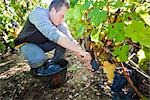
(85, 58)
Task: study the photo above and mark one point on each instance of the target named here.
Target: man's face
(58, 17)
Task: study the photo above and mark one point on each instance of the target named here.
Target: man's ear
(53, 10)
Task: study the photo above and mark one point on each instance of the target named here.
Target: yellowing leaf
(146, 18)
(109, 70)
(33, 2)
(16, 32)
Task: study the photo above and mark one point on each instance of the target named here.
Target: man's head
(57, 11)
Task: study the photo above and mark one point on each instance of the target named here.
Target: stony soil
(17, 82)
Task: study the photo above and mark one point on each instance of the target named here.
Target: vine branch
(130, 81)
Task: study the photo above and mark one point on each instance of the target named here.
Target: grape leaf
(122, 53)
(109, 70)
(2, 47)
(74, 13)
(147, 52)
(144, 37)
(97, 16)
(134, 27)
(77, 12)
(146, 18)
(80, 31)
(138, 33)
(116, 32)
(95, 36)
(100, 4)
(117, 3)
(73, 2)
(86, 5)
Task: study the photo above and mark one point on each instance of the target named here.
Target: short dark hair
(57, 4)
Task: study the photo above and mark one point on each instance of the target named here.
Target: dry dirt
(17, 83)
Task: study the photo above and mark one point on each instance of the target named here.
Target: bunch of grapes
(120, 88)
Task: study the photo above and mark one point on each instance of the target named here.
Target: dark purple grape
(119, 82)
(135, 59)
(94, 64)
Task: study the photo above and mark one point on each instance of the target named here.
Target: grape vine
(111, 24)
(12, 17)
(114, 31)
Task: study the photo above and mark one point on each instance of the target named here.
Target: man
(44, 31)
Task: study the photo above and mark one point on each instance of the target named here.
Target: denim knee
(34, 55)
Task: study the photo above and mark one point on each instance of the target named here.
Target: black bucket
(56, 79)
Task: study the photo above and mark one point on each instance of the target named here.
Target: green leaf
(116, 32)
(77, 12)
(97, 16)
(86, 5)
(144, 63)
(2, 48)
(73, 2)
(146, 18)
(122, 53)
(80, 31)
(144, 37)
(74, 13)
(117, 3)
(11, 43)
(138, 33)
(147, 52)
(100, 4)
(11, 30)
(69, 15)
(95, 36)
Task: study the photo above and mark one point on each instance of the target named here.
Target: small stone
(35, 85)
(56, 98)
(73, 90)
(22, 88)
(4, 92)
(77, 94)
(98, 94)
(19, 85)
(85, 97)
(19, 91)
(84, 78)
(25, 82)
(70, 96)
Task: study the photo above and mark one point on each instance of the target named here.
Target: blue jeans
(35, 53)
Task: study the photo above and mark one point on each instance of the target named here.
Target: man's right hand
(85, 58)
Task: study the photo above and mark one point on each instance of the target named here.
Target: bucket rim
(62, 69)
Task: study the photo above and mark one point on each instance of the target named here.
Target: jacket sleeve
(65, 30)
(40, 18)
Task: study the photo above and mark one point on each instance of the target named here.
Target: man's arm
(85, 56)
(64, 28)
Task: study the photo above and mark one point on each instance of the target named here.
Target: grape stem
(138, 69)
(130, 81)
